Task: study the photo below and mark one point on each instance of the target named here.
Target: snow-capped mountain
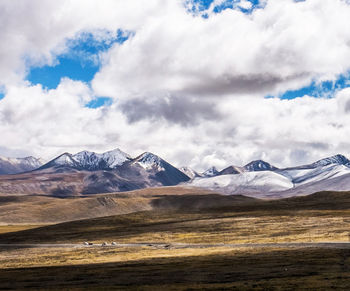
(302, 176)
(334, 160)
(253, 166)
(210, 172)
(18, 165)
(116, 171)
(65, 159)
(94, 161)
(232, 170)
(261, 179)
(190, 172)
(259, 165)
(153, 169)
(150, 161)
(89, 161)
(246, 183)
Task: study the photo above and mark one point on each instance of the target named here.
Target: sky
(199, 82)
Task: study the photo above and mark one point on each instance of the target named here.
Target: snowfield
(331, 173)
(248, 182)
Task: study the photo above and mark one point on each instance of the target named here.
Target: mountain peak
(18, 165)
(212, 171)
(259, 165)
(91, 161)
(148, 160)
(336, 159)
(64, 159)
(232, 170)
(115, 158)
(116, 150)
(189, 172)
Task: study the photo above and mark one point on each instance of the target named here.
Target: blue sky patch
(99, 102)
(2, 92)
(324, 89)
(200, 6)
(49, 77)
(81, 61)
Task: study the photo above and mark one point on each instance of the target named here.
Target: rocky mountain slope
(89, 161)
(90, 173)
(18, 165)
(115, 171)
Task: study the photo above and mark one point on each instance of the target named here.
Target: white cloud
(36, 31)
(284, 132)
(245, 4)
(220, 68)
(283, 46)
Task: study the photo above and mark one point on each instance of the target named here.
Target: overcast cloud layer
(188, 88)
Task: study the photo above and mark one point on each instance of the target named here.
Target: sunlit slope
(234, 219)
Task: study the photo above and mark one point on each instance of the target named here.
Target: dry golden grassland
(15, 228)
(45, 257)
(183, 219)
(36, 209)
(189, 269)
(323, 217)
(180, 227)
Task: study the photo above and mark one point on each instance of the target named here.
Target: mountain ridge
(88, 172)
(18, 165)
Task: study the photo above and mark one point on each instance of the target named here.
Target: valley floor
(173, 269)
(181, 244)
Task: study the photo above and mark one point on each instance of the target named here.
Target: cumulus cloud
(188, 88)
(246, 4)
(35, 32)
(284, 132)
(268, 51)
(174, 109)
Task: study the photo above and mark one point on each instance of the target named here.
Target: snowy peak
(247, 183)
(31, 161)
(260, 178)
(337, 160)
(259, 165)
(115, 158)
(154, 170)
(18, 165)
(232, 170)
(65, 159)
(148, 161)
(210, 172)
(94, 161)
(90, 161)
(190, 172)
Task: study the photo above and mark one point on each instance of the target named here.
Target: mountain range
(115, 171)
(89, 173)
(261, 179)
(18, 165)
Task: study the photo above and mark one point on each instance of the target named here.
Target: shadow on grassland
(187, 214)
(311, 269)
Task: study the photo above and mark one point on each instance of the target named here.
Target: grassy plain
(245, 220)
(15, 228)
(209, 269)
(188, 219)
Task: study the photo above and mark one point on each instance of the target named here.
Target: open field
(15, 228)
(37, 209)
(147, 269)
(176, 217)
(245, 220)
